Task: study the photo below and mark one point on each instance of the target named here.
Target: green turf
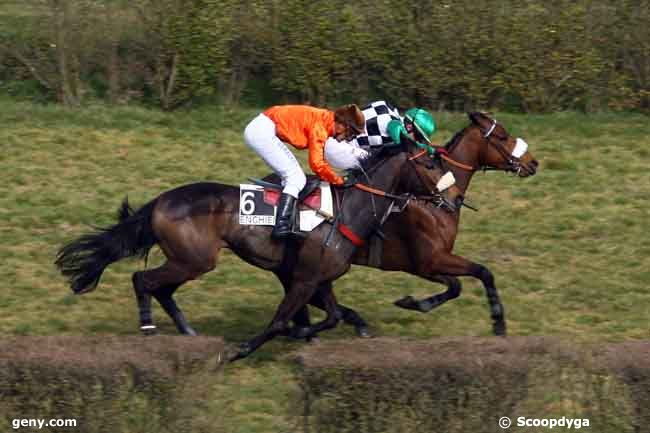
(569, 247)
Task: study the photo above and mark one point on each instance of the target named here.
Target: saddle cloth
(319, 199)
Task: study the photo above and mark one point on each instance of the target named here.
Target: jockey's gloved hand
(349, 181)
(397, 131)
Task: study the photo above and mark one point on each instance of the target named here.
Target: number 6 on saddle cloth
(258, 204)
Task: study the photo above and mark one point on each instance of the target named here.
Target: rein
(347, 232)
(444, 155)
(407, 197)
(381, 193)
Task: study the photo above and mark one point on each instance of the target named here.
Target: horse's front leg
(497, 311)
(450, 265)
(454, 288)
(294, 299)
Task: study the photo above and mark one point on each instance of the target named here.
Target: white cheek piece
(446, 181)
(494, 125)
(520, 148)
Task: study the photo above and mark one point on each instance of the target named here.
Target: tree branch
(31, 67)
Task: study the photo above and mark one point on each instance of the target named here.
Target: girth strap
(348, 233)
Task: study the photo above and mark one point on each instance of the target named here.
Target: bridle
(513, 163)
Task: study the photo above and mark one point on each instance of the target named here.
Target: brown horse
(193, 222)
(420, 240)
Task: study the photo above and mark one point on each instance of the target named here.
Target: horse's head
(494, 147)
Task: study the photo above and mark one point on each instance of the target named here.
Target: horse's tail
(83, 260)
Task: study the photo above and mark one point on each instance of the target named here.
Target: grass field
(569, 247)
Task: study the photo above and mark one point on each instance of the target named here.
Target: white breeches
(260, 136)
(344, 155)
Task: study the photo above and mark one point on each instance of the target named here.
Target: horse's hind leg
(351, 317)
(161, 282)
(164, 296)
(348, 315)
(326, 301)
(143, 298)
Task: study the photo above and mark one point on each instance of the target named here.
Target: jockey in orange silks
(303, 127)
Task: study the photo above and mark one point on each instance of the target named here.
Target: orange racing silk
(303, 126)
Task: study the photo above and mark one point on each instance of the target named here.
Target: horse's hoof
(190, 332)
(299, 332)
(313, 340)
(500, 329)
(363, 332)
(148, 330)
(245, 349)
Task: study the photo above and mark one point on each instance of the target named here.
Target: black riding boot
(284, 217)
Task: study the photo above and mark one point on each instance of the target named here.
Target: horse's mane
(456, 138)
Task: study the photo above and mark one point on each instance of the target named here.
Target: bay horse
(192, 223)
(420, 240)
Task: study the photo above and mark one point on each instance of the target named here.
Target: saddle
(309, 197)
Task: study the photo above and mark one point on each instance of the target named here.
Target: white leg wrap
(260, 136)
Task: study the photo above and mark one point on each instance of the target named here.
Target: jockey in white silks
(383, 127)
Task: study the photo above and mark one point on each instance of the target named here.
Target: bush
(529, 55)
(112, 384)
(458, 385)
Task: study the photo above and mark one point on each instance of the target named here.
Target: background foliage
(526, 55)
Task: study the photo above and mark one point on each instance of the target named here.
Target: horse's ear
(474, 117)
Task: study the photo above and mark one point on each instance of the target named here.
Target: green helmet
(423, 122)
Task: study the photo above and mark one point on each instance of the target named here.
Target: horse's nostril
(459, 201)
